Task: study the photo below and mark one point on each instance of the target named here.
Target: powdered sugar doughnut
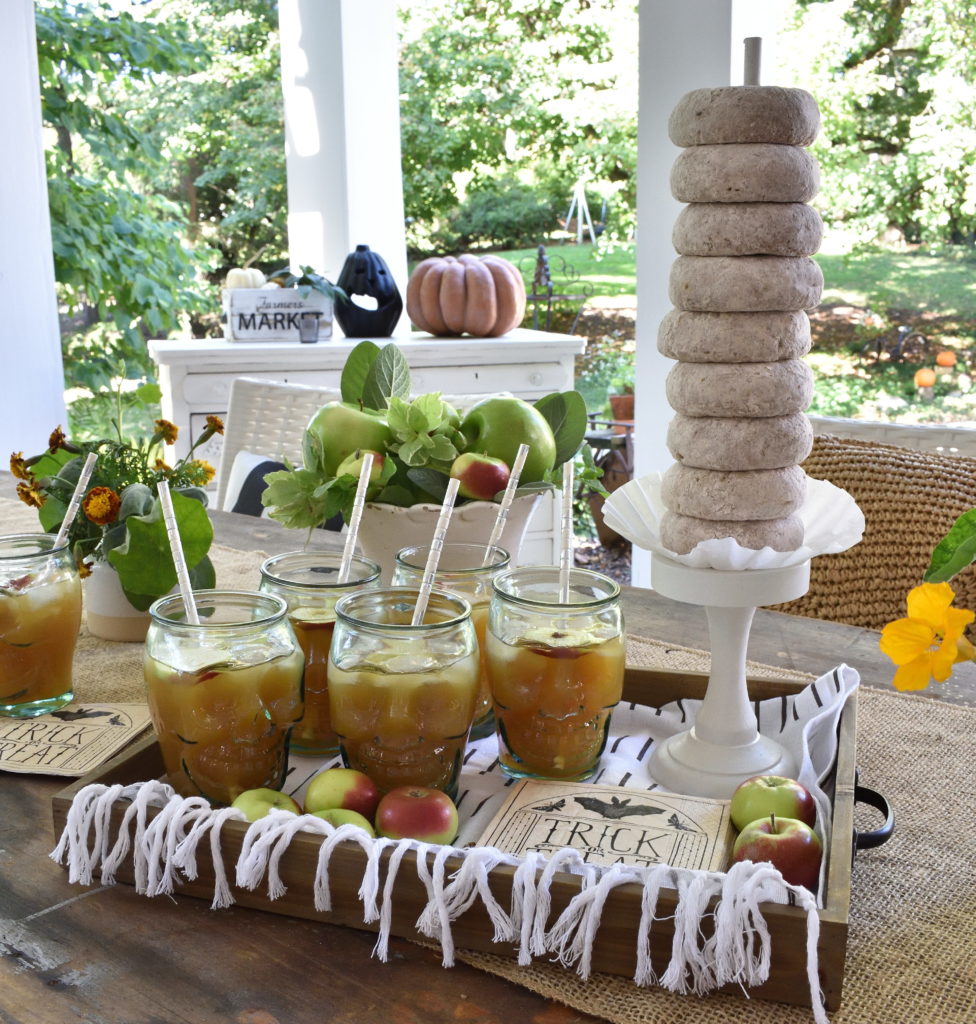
(680, 533)
(740, 389)
(728, 284)
(735, 496)
(726, 443)
(744, 174)
(733, 337)
(747, 229)
(745, 113)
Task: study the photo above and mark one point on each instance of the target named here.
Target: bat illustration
(556, 805)
(615, 807)
(73, 716)
(675, 823)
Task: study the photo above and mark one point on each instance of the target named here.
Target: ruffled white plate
(832, 522)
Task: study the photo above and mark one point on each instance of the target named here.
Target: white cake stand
(724, 747)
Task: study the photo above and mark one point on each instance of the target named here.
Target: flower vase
(385, 529)
(108, 613)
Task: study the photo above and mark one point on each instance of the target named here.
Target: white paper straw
(752, 60)
(436, 545)
(506, 503)
(566, 541)
(79, 493)
(358, 504)
(176, 549)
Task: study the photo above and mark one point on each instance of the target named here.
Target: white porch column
(339, 63)
(682, 47)
(32, 388)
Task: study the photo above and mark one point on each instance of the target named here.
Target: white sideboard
(195, 377)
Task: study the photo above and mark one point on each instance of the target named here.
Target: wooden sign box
(614, 948)
(274, 314)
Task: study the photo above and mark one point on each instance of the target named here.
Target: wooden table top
(105, 954)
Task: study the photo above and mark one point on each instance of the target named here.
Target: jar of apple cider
(402, 697)
(223, 693)
(466, 570)
(309, 582)
(555, 658)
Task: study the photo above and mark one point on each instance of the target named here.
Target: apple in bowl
(481, 476)
(497, 426)
(256, 803)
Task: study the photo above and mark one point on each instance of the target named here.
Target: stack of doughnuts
(740, 287)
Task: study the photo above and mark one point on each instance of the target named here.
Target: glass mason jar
(461, 572)
(40, 614)
(557, 670)
(402, 697)
(224, 694)
(309, 583)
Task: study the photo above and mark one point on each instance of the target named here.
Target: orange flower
(216, 424)
(18, 467)
(930, 641)
(208, 471)
(84, 570)
(160, 466)
(30, 495)
(166, 431)
(102, 505)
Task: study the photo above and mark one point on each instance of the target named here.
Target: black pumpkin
(366, 273)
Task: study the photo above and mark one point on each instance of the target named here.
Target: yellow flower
(102, 505)
(166, 431)
(18, 467)
(57, 440)
(930, 641)
(201, 470)
(216, 424)
(30, 495)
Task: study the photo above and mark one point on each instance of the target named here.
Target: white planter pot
(107, 610)
(385, 529)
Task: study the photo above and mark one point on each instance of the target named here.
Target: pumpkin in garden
(483, 296)
(946, 359)
(925, 377)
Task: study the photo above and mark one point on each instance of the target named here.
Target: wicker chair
(910, 498)
(268, 418)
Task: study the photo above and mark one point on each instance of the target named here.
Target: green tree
(542, 89)
(122, 269)
(894, 83)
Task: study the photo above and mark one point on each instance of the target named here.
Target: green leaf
(290, 497)
(137, 500)
(565, 412)
(396, 494)
(354, 373)
(389, 377)
(313, 453)
(430, 481)
(955, 551)
(144, 563)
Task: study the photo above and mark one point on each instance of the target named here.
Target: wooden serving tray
(614, 948)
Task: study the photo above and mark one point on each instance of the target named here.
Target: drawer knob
(535, 378)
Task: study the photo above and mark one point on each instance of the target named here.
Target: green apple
(380, 472)
(497, 426)
(763, 795)
(338, 816)
(342, 428)
(344, 788)
(256, 803)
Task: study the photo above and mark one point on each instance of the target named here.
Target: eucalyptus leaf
(137, 500)
(388, 377)
(955, 551)
(565, 412)
(358, 364)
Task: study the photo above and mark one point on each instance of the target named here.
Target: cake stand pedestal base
(724, 747)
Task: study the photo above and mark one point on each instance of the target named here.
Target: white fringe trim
(164, 849)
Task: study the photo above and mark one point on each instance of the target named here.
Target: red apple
(342, 787)
(787, 844)
(341, 816)
(417, 812)
(763, 795)
(481, 476)
(256, 803)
